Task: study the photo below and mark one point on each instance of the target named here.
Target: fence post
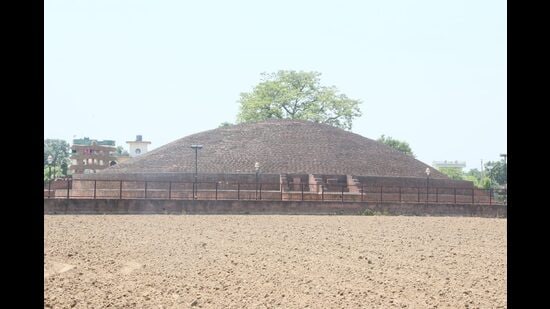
(95, 182)
(302, 188)
(169, 190)
(49, 188)
(145, 189)
(472, 196)
(69, 185)
(342, 193)
(281, 191)
(362, 189)
(455, 195)
(490, 196)
(400, 200)
(418, 190)
(436, 194)
(381, 188)
(260, 191)
(120, 191)
(197, 190)
(322, 192)
(238, 191)
(216, 190)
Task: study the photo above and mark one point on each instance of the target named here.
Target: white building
(137, 147)
(450, 164)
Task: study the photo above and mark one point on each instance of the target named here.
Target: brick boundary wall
(137, 206)
(337, 180)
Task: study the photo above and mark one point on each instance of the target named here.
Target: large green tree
(53, 172)
(402, 146)
(452, 172)
(478, 178)
(60, 152)
(297, 95)
(496, 171)
(474, 172)
(474, 175)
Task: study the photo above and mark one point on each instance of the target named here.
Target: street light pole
(427, 184)
(196, 147)
(50, 160)
(257, 167)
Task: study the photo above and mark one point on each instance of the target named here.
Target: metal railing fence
(172, 190)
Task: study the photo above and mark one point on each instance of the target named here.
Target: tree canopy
(60, 152)
(453, 172)
(402, 146)
(297, 95)
(496, 171)
(474, 175)
(58, 149)
(53, 172)
(225, 124)
(120, 151)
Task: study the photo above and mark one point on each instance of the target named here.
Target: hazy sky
(432, 73)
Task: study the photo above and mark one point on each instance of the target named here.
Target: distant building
(138, 147)
(89, 155)
(449, 164)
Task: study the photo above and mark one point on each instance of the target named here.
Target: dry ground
(162, 261)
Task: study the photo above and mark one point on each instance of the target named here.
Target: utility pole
(196, 147)
(481, 169)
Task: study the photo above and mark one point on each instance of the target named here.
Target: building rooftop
(89, 142)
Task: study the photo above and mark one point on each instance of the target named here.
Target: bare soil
(163, 261)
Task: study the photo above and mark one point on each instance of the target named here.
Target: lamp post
(257, 168)
(196, 147)
(427, 184)
(50, 160)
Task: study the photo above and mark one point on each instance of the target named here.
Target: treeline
(492, 176)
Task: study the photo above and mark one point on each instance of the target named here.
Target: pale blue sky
(432, 73)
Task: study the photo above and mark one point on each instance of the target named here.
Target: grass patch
(370, 212)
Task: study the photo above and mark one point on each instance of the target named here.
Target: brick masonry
(281, 147)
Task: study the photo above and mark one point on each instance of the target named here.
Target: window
(138, 151)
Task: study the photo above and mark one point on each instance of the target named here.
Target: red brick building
(89, 155)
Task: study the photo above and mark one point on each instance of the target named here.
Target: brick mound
(281, 147)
